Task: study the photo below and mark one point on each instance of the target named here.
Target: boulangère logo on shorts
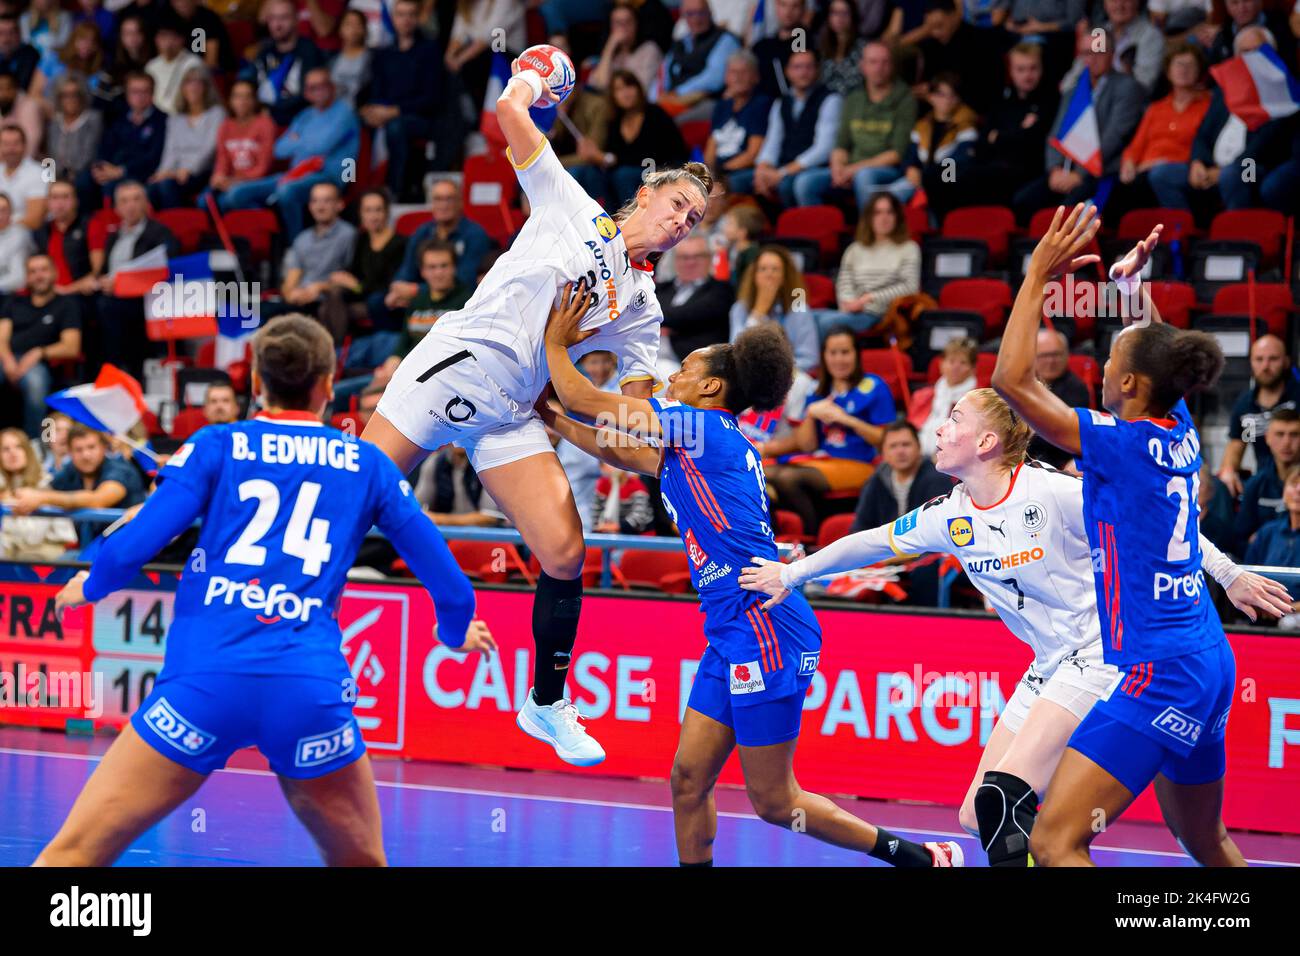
(1175, 723)
(164, 720)
(747, 678)
(322, 748)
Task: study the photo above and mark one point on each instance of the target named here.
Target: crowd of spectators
(331, 114)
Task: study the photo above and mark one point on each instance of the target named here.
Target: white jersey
(1028, 554)
(566, 237)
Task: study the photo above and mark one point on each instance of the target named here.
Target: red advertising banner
(900, 707)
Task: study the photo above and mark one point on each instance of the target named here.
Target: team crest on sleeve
(1101, 418)
(182, 455)
(961, 531)
(605, 226)
(638, 301)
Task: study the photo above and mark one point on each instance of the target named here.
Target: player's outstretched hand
(1253, 592)
(562, 327)
(765, 576)
(1137, 258)
(479, 638)
(1069, 234)
(71, 594)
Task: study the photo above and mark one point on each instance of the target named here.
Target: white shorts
(1078, 682)
(442, 394)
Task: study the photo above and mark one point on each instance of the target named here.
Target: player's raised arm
(525, 88)
(1057, 252)
(610, 446)
(575, 390)
(858, 550)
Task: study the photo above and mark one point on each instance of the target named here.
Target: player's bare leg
(534, 494)
(133, 788)
(1000, 741)
(779, 800)
(702, 750)
(341, 812)
(1003, 799)
(1082, 800)
(404, 453)
(1194, 815)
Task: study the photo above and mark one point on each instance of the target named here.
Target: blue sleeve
(881, 410)
(770, 152)
(197, 463)
(169, 511)
(828, 124)
(678, 424)
(1101, 442)
(66, 479)
(424, 550)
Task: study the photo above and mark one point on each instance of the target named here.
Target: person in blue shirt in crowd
(252, 656)
(1277, 545)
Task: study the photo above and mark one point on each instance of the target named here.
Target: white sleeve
(638, 356)
(1218, 565)
(852, 551)
(545, 180)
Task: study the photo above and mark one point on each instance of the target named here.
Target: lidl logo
(961, 532)
(606, 226)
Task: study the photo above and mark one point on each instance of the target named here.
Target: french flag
(1079, 138)
(496, 85)
(1257, 87)
(139, 275)
(113, 402)
(190, 302)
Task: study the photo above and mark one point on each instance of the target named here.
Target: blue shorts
(1165, 717)
(303, 725)
(756, 670)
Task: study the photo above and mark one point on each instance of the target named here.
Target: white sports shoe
(948, 853)
(558, 725)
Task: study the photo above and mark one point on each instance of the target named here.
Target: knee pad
(1005, 807)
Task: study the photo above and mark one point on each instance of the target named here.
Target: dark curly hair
(758, 368)
(292, 353)
(1176, 361)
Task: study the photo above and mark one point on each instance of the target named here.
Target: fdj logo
(808, 663)
(1175, 723)
(324, 747)
(168, 724)
(961, 532)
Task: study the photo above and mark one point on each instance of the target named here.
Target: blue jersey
(713, 488)
(871, 402)
(1140, 484)
(287, 503)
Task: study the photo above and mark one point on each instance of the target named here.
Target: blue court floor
(437, 815)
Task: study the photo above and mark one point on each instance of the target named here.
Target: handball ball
(554, 67)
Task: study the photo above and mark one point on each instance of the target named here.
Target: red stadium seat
(892, 365)
(1264, 227)
(1039, 222)
(992, 225)
(662, 570)
(408, 222)
(990, 297)
(257, 226)
(243, 34)
(918, 222)
(985, 362)
(187, 225)
(489, 190)
(1137, 224)
(821, 224)
(696, 133)
(1174, 300)
(1087, 369)
(187, 422)
(1273, 303)
(834, 528)
(821, 291)
(482, 560)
